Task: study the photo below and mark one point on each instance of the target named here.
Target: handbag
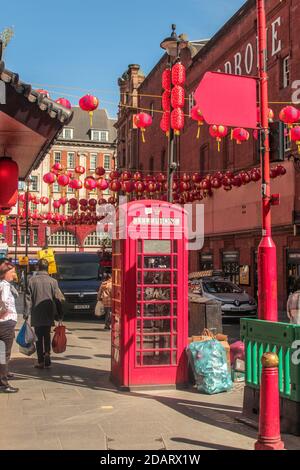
(59, 341)
(99, 309)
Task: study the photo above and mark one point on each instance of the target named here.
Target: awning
(29, 122)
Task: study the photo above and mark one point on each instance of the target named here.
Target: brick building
(232, 219)
(78, 144)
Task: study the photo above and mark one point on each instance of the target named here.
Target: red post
(267, 263)
(269, 417)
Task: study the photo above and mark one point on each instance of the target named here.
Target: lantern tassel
(231, 134)
(199, 131)
(143, 135)
(91, 118)
(219, 147)
(298, 145)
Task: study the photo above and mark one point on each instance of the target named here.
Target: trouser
(7, 334)
(107, 311)
(43, 344)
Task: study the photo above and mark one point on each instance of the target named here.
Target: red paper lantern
(127, 187)
(289, 115)
(281, 170)
(137, 176)
(139, 187)
(142, 121)
(43, 92)
(93, 202)
(57, 167)
(216, 183)
(270, 115)
(64, 102)
(102, 184)
(177, 120)
(295, 136)
(75, 184)
(111, 200)
(218, 132)
(165, 122)
(5, 211)
(44, 200)
(245, 177)
(240, 135)
(161, 178)
(79, 170)
(100, 171)
(113, 175)
(178, 74)
(63, 201)
(166, 79)
(89, 103)
(166, 101)
(49, 178)
(255, 174)
(90, 183)
(206, 185)
(102, 201)
(177, 97)
(126, 175)
(237, 181)
(63, 180)
(196, 115)
(151, 187)
(83, 202)
(115, 186)
(9, 178)
(73, 202)
(56, 204)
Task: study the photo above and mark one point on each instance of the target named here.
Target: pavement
(74, 405)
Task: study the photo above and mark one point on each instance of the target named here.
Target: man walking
(104, 295)
(43, 301)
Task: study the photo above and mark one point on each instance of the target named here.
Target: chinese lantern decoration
(281, 170)
(295, 136)
(139, 187)
(100, 171)
(142, 121)
(63, 201)
(137, 176)
(64, 102)
(49, 178)
(196, 115)
(270, 115)
(178, 74)
(289, 115)
(75, 184)
(56, 204)
(218, 132)
(83, 202)
(166, 79)
(216, 183)
(127, 187)
(63, 180)
(9, 177)
(151, 187)
(79, 170)
(90, 183)
(92, 202)
(245, 177)
(177, 120)
(43, 92)
(177, 97)
(166, 101)
(57, 167)
(89, 103)
(102, 184)
(126, 175)
(113, 175)
(115, 186)
(255, 174)
(240, 135)
(165, 122)
(44, 200)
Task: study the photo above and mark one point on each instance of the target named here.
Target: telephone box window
(157, 246)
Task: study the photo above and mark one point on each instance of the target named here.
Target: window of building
(97, 239)
(287, 140)
(21, 186)
(22, 240)
(33, 207)
(56, 188)
(71, 160)
(70, 190)
(57, 157)
(69, 210)
(99, 136)
(191, 102)
(286, 72)
(106, 163)
(93, 161)
(62, 238)
(34, 185)
(35, 237)
(67, 133)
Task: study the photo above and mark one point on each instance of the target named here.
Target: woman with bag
(8, 321)
(105, 295)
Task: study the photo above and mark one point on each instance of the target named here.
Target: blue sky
(88, 44)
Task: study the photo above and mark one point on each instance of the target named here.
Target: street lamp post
(172, 45)
(267, 264)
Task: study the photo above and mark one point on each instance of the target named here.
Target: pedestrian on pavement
(43, 301)
(293, 304)
(104, 295)
(8, 321)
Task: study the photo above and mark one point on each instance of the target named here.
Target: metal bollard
(269, 413)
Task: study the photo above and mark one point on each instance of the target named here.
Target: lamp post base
(269, 445)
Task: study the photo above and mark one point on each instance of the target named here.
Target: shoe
(8, 389)
(39, 365)
(47, 361)
(10, 375)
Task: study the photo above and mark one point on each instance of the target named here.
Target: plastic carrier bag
(209, 364)
(59, 341)
(26, 336)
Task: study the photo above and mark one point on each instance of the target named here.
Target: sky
(74, 47)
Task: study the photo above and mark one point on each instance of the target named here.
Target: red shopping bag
(59, 341)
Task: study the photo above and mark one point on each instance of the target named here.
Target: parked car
(236, 303)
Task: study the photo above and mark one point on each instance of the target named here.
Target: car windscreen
(220, 287)
(83, 271)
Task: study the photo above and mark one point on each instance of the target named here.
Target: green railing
(261, 336)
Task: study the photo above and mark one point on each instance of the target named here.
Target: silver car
(236, 303)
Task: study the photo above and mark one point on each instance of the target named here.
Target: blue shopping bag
(21, 338)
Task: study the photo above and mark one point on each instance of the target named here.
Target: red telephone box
(150, 297)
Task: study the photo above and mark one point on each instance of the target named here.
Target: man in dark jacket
(43, 301)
